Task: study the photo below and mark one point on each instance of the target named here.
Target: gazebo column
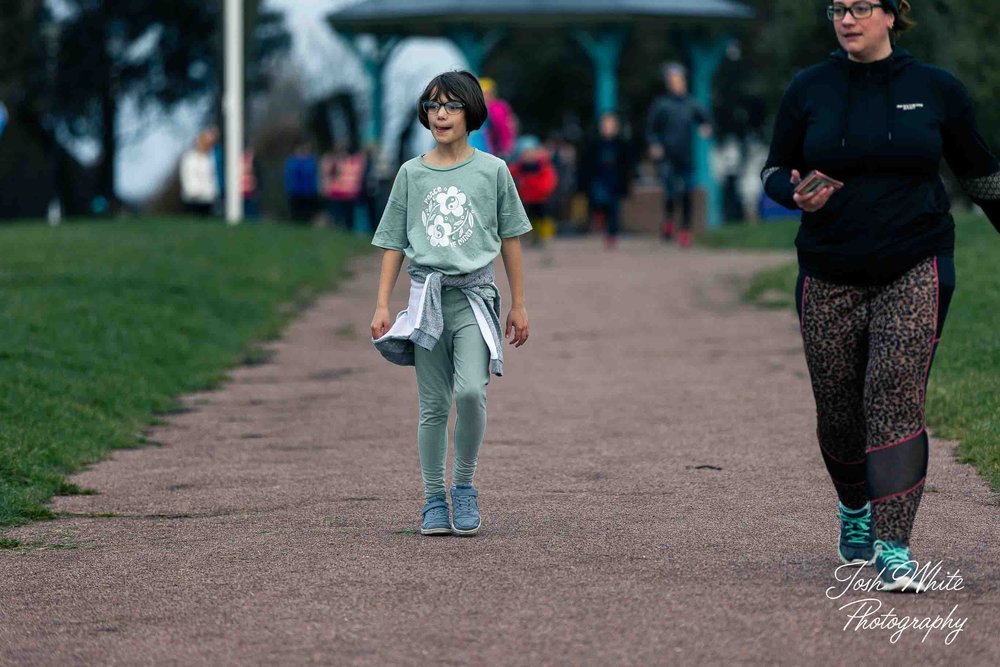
(604, 47)
(374, 61)
(705, 58)
(476, 45)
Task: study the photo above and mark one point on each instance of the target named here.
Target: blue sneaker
(465, 515)
(435, 514)
(857, 541)
(896, 568)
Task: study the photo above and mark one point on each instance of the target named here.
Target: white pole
(233, 109)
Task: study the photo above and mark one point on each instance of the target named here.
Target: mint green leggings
(457, 369)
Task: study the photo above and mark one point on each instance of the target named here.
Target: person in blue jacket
(302, 183)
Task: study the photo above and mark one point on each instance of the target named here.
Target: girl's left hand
(517, 324)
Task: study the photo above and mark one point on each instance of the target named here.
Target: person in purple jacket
(875, 257)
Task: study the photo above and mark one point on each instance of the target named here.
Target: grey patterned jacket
(422, 323)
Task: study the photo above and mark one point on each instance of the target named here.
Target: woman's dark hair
(903, 20)
(461, 86)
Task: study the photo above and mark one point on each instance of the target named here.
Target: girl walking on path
(451, 212)
(875, 257)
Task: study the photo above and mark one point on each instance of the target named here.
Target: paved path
(275, 523)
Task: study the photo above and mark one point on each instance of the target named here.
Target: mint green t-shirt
(452, 218)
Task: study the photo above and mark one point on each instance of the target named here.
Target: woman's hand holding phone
(812, 193)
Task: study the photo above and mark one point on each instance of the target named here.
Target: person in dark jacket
(669, 132)
(875, 257)
(606, 171)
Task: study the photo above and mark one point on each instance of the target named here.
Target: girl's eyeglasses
(859, 10)
(452, 107)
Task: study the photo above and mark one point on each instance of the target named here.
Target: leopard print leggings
(869, 351)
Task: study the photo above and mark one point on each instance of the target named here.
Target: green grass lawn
(964, 396)
(104, 324)
(776, 235)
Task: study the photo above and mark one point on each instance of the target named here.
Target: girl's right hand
(811, 202)
(380, 323)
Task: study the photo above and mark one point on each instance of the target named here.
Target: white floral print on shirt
(439, 232)
(448, 217)
(452, 201)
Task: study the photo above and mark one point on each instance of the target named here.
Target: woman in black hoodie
(875, 257)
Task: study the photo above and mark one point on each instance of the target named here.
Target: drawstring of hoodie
(890, 116)
(847, 114)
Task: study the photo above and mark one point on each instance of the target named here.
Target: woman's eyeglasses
(452, 107)
(859, 10)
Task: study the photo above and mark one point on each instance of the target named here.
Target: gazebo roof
(432, 16)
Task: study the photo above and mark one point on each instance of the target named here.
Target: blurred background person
(250, 185)
(669, 129)
(343, 183)
(500, 128)
(302, 182)
(606, 175)
(198, 176)
(564, 159)
(536, 180)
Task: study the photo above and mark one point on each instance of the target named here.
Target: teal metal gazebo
(601, 27)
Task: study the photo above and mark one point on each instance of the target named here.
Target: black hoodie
(881, 128)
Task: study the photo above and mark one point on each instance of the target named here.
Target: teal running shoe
(857, 541)
(435, 513)
(465, 518)
(896, 568)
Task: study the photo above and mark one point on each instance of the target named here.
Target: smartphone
(814, 181)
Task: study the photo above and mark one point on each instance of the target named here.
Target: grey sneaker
(465, 516)
(435, 515)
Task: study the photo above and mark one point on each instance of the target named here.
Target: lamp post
(233, 109)
(51, 32)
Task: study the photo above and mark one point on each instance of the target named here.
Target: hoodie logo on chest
(911, 106)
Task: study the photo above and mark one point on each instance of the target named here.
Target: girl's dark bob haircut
(461, 86)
